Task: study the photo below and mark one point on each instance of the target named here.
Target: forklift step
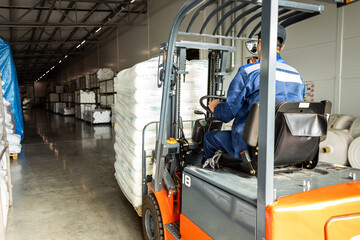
(174, 229)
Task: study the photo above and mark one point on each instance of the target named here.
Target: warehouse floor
(64, 185)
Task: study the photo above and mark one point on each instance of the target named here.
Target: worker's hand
(212, 105)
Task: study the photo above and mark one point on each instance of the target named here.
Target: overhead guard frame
(269, 13)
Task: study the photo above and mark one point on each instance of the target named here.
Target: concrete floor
(64, 185)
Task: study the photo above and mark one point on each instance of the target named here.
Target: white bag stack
(138, 103)
(13, 139)
(85, 97)
(97, 116)
(105, 74)
(67, 111)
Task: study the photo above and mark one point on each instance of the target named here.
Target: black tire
(151, 219)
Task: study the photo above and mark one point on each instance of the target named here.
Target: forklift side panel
(217, 212)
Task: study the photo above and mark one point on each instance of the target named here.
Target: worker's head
(281, 37)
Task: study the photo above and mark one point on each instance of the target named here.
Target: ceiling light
(97, 30)
(78, 46)
(82, 42)
(66, 56)
(132, 1)
(60, 61)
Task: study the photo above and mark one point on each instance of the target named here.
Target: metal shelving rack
(5, 152)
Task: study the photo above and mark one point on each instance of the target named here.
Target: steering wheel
(205, 107)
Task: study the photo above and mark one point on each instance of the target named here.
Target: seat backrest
(299, 127)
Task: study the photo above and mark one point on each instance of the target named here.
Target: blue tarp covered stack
(10, 86)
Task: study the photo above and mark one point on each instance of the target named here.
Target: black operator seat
(299, 128)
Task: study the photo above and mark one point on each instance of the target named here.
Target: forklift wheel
(151, 220)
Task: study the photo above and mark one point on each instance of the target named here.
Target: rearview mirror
(251, 46)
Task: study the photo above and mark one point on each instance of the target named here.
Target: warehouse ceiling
(44, 33)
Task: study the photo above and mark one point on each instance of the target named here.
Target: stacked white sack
(335, 148)
(354, 153)
(105, 74)
(355, 128)
(4, 194)
(68, 111)
(340, 121)
(87, 97)
(98, 116)
(13, 139)
(138, 103)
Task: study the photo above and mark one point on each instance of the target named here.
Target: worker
(243, 92)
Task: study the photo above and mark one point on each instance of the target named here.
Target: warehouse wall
(325, 50)
(126, 46)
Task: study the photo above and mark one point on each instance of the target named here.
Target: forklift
(277, 189)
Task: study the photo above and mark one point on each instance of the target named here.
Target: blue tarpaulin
(10, 85)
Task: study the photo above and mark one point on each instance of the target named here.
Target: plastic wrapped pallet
(87, 97)
(54, 97)
(104, 74)
(12, 138)
(138, 102)
(98, 116)
(67, 111)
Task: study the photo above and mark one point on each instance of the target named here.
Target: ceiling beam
(53, 24)
(47, 8)
(50, 42)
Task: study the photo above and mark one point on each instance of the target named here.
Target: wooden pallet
(14, 156)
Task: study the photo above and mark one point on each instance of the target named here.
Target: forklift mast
(267, 13)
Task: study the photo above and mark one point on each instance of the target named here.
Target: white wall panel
(133, 47)
(317, 30)
(107, 53)
(352, 20)
(313, 62)
(351, 58)
(350, 96)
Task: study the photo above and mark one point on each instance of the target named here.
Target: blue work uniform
(243, 92)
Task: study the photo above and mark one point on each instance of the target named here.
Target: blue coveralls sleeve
(238, 89)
